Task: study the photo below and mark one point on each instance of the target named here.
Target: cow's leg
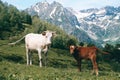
(46, 58)
(27, 55)
(95, 67)
(40, 57)
(30, 57)
(45, 50)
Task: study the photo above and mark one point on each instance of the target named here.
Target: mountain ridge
(98, 26)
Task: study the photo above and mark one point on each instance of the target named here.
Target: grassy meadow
(61, 66)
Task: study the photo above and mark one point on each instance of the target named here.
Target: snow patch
(53, 11)
(116, 17)
(81, 15)
(60, 19)
(92, 35)
(101, 12)
(77, 27)
(115, 39)
(111, 39)
(37, 9)
(105, 40)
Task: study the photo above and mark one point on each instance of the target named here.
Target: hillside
(60, 66)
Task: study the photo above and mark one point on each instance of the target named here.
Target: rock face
(98, 26)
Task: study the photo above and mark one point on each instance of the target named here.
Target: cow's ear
(44, 33)
(54, 33)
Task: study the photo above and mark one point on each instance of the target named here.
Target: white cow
(39, 42)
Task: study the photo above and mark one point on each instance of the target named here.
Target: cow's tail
(13, 43)
(102, 51)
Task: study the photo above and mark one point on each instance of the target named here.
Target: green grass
(61, 66)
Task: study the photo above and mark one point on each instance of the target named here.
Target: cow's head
(48, 35)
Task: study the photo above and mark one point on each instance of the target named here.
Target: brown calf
(80, 53)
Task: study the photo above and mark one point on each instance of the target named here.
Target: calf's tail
(102, 51)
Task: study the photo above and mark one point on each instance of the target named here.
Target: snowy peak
(55, 13)
(41, 6)
(56, 4)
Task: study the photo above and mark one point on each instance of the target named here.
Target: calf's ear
(44, 33)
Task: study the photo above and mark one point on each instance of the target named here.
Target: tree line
(12, 20)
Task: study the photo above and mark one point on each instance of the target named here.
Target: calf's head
(72, 48)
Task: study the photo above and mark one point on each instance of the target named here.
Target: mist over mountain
(98, 26)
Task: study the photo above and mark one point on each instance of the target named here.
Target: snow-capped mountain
(55, 13)
(99, 26)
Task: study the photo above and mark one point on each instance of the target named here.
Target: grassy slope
(61, 66)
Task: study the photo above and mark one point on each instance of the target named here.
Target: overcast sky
(75, 4)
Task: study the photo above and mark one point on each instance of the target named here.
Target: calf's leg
(95, 67)
(79, 64)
